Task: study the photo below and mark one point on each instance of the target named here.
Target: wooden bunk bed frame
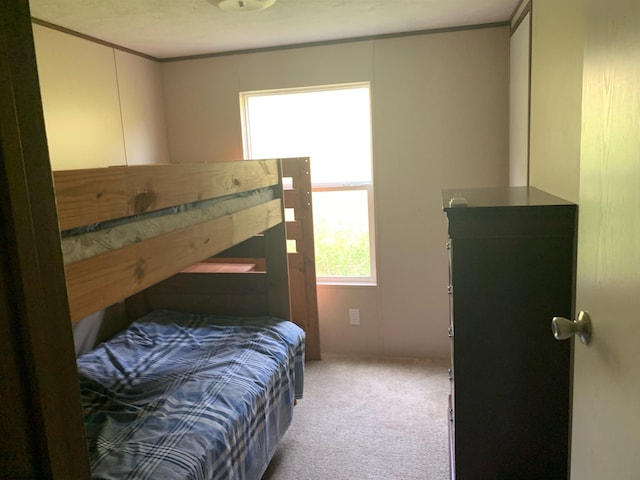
(152, 274)
(96, 195)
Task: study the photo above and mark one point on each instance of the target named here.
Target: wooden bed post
(41, 422)
(277, 264)
(302, 266)
(277, 272)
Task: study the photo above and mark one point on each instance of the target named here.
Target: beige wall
(440, 112)
(519, 104)
(79, 91)
(102, 106)
(144, 126)
(202, 96)
(440, 119)
(556, 96)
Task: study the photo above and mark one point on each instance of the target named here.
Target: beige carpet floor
(368, 418)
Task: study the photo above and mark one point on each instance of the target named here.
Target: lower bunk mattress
(191, 396)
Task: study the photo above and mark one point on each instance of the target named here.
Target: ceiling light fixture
(242, 5)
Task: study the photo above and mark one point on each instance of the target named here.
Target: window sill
(343, 283)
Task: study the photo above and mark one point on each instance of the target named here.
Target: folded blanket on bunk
(191, 396)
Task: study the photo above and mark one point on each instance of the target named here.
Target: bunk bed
(203, 382)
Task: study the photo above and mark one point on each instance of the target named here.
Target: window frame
(367, 185)
(347, 187)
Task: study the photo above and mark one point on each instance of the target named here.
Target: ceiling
(170, 28)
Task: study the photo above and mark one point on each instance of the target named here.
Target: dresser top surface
(498, 197)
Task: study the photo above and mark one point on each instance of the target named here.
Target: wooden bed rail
(97, 282)
(94, 195)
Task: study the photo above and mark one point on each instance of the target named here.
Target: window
(332, 126)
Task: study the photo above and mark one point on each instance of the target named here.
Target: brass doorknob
(563, 328)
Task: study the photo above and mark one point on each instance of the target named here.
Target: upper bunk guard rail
(95, 195)
(98, 282)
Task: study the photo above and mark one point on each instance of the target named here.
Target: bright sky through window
(332, 126)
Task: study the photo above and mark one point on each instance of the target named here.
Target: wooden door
(606, 403)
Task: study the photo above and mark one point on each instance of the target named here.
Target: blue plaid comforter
(190, 396)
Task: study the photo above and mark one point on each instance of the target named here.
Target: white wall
(519, 104)
(440, 114)
(440, 119)
(79, 91)
(557, 40)
(102, 106)
(144, 126)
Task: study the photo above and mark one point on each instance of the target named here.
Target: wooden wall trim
(87, 196)
(36, 305)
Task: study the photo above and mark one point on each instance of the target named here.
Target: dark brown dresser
(512, 269)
